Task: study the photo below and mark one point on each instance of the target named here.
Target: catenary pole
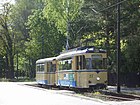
(67, 40)
(118, 38)
(118, 47)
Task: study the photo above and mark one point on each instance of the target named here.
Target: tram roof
(80, 51)
(45, 60)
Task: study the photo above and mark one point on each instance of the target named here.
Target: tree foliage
(34, 29)
(6, 37)
(61, 12)
(45, 36)
(131, 35)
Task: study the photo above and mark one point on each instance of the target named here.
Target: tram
(45, 71)
(84, 67)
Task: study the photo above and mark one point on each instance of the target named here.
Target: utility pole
(118, 39)
(67, 40)
(118, 47)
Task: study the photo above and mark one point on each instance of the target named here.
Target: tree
(62, 13)
(20, 13)
(44, 36)
(131, 36)
(6, 37)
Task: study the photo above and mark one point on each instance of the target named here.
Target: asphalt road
(19, 94)
(15, 94)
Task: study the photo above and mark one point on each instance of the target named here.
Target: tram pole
(118, 47)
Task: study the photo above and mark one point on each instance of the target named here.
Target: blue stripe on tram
(45, 82)
(67, 83)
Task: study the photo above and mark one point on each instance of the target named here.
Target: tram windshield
(96, 62)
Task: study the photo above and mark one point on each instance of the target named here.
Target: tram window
(38, 68)
(65, 64)
(60, 65)
(98, 62)
(42, 67)
(70, 64)
(88, 63)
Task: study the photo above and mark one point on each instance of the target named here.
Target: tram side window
(38, 68)
(69, 64)
(65, 64)
(60, 65)
(42, 67)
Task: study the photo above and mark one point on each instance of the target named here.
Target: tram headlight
(98, 78)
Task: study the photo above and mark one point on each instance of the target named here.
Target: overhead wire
(111, 6)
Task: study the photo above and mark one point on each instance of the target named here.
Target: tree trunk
(11, 62)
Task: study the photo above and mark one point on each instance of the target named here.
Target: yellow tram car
(84, 67)
(45, 71)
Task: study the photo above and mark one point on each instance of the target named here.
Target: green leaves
(52, 38)
(62, 11)
(37, 25)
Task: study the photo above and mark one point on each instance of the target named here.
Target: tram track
(102, 94)
(108, 95)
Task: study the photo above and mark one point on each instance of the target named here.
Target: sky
(11, 1)
(4, 1)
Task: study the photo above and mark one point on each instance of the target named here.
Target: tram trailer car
(84, 67)
(45, 71)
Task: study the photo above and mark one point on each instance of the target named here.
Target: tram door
(80, 65)
(51, 72)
